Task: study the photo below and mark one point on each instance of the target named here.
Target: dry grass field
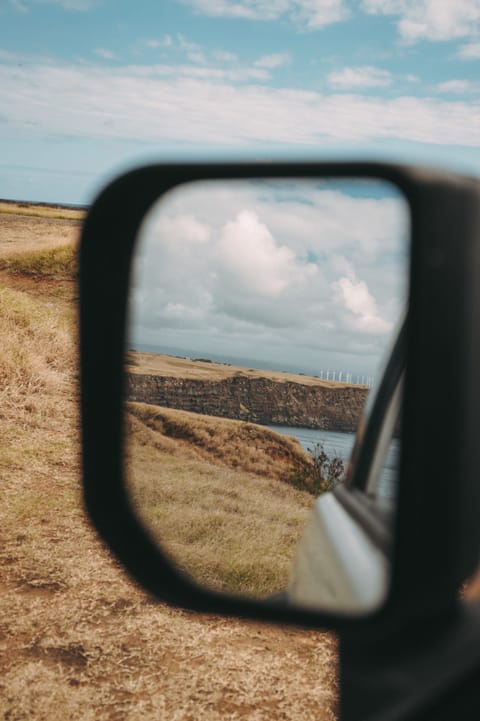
(201, 369)
(217, 494)
(78, 640)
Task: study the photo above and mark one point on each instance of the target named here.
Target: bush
(322, 473)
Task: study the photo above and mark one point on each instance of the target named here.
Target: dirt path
(77, 639)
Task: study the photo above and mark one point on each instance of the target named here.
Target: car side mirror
(197, 258)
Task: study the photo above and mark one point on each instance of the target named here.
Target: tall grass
(216, 494)
(36, 357)
(55, 263)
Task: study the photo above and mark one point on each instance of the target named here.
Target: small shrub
(319, 475)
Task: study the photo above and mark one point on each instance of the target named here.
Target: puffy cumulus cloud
(310, 13)
(354, 78)
(192, 103)
(257, 277)
(173, 271)
(185, 227)
(358, 300)
(300, 274)
(250, 260)
(430, 19)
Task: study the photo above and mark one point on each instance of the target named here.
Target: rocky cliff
(256, 399)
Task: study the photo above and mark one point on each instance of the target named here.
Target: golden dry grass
(59, 263)
(58, 212)
(78, 640)
(201, 369)
(216, 493)
(21, 233)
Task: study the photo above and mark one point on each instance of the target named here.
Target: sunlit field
(217, 494)
(79, 640)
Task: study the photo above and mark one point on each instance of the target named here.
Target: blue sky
(90, 87)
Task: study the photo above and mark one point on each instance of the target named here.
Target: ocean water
(334, 443)
(341, 445)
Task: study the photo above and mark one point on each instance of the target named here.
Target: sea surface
(334, 443)
(341, 444)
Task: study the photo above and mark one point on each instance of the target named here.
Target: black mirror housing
(437, 535)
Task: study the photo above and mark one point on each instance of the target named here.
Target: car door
(344, 554)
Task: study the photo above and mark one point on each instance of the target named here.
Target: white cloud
(193, 51)
(354, 78)
(382, 6)
(225, 57)
(185, 44)
(320, 13)
(188, 228)
(205, 73)
(362, 306)
(430, 19)
(260, 271)
(104, 53)
(455, 87)
(247, 9)
(250, 260)
(215, 105)
(310, 13)
(8, 57)
(275, 60)
(470, 51)
(198, 57)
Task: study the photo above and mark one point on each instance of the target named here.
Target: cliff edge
(254, 397)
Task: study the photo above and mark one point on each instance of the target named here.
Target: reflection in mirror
(259, 313)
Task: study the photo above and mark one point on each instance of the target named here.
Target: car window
(383, 476)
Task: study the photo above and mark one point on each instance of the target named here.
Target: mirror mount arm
(428, 660)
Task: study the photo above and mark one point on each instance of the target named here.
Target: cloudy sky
(90, 87)
(292, 275)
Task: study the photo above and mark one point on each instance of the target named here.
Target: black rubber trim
(364, 451)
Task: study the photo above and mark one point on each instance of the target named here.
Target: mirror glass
(260, 313)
